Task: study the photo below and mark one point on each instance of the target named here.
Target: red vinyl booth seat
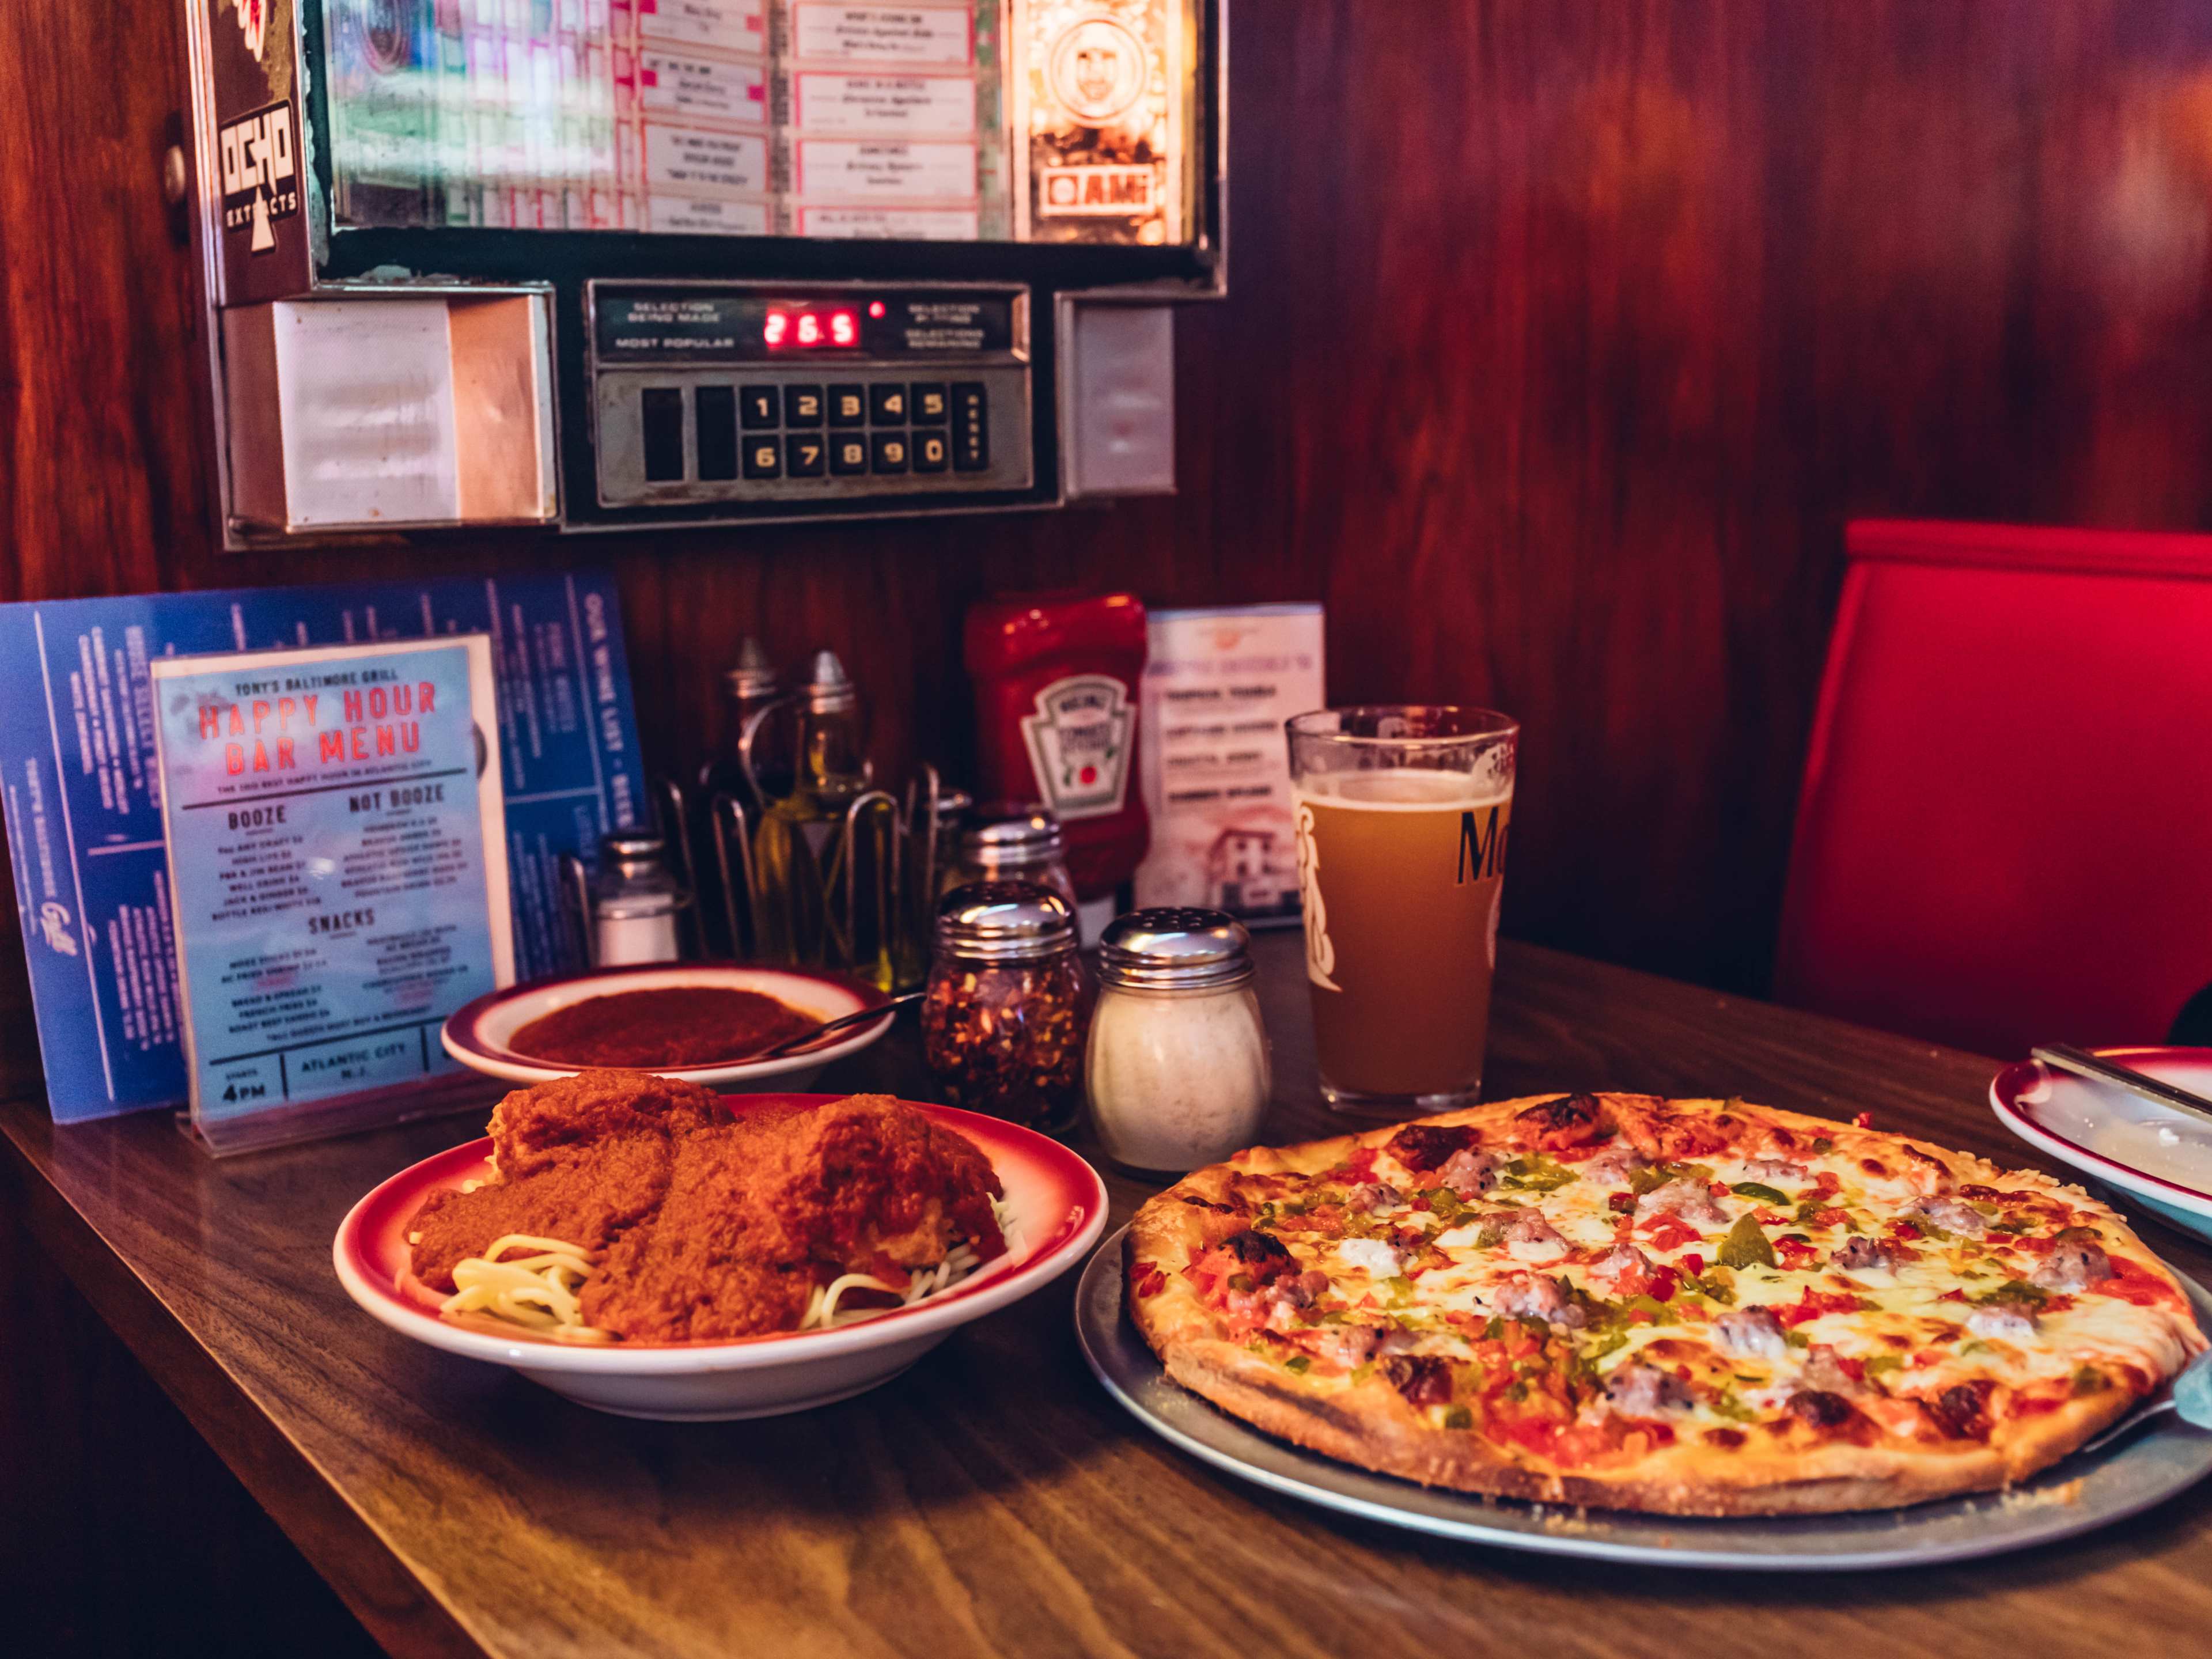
(2004, 834)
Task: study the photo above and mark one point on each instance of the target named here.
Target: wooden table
(994, 1501)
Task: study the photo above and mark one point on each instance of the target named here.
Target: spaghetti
(538, 1291)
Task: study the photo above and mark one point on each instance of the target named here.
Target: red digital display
(811, 326)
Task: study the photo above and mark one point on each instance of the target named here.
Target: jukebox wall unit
(600, 263)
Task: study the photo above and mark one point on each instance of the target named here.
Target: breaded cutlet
(757, 1214)
(578, 1159)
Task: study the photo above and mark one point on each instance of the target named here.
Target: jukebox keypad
(694, 404)
(739, 433)
(871, 428)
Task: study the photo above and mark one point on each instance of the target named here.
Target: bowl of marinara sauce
(702, 1021)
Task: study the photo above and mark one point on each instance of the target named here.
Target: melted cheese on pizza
(1601, 1295)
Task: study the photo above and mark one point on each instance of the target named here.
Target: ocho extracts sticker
(337, 863)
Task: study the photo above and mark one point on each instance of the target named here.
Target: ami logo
(260, 173)
(1094, 192)
(1481, 844)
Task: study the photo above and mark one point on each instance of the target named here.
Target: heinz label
(1078, 744)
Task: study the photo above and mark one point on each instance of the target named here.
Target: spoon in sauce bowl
(860, 1017)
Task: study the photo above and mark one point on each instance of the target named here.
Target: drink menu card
(81, 785)
(1217, 687)
(337, 872)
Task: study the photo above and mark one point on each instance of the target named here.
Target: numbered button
(757, 406)
(889, 453)
(802, 405)
(971, 428)
(887, 403)
(849, 405)
(930, 452)
(931, 403)
(763, 456)
(804, 453)
(848, 455)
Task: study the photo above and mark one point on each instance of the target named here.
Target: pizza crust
(1369, 1425)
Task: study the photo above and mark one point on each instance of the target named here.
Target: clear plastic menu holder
(324, 1120)
(335, 826)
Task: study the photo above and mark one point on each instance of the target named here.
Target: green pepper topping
(1712, 1284)
(1759, 1190)
(2015, 1293)
(1746, 1246)
(1822, 1143)
(1883, 1363)
(1494, 1329)
(1240, 1281)
(1732, 1408)
(1299, 1364)
(2088, 1380)
(1444, 1201)
(1458, 1417)
(1536, 1173)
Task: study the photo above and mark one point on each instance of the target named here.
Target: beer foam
(1402, 789)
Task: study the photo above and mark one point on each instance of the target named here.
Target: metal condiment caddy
(799, 858)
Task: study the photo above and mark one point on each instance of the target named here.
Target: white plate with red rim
(2151, 1152)
(479, 1033)
(1057, 1207)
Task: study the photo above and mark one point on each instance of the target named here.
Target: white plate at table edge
(2015, 1083)
(477, 1033)
(2158, 1461)
(1060, 1203)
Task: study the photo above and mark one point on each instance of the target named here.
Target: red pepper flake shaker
(1007, 1008)
(1056, 679)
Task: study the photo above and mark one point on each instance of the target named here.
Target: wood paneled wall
(1565, 334)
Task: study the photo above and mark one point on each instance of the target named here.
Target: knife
(2082, 1063)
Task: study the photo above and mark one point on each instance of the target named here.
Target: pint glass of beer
(1401, 815)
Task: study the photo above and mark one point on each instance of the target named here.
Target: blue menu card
(338, 873)
(80, 784)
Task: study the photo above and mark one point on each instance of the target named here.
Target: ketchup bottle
(1056, 676)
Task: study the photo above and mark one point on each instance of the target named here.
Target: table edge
(377, 1586)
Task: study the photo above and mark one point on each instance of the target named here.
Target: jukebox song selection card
(337, 869)
(81, 789)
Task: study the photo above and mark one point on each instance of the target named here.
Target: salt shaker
(1178, 1065)
(630, 908)
(1002, 1019)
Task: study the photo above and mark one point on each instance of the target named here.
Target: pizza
(1696, 1307)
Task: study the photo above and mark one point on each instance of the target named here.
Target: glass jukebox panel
(957, 120)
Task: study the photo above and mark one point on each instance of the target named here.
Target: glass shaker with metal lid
(632, 907)
(1012, 841)
(1003, 1014)
(1177, 1069)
